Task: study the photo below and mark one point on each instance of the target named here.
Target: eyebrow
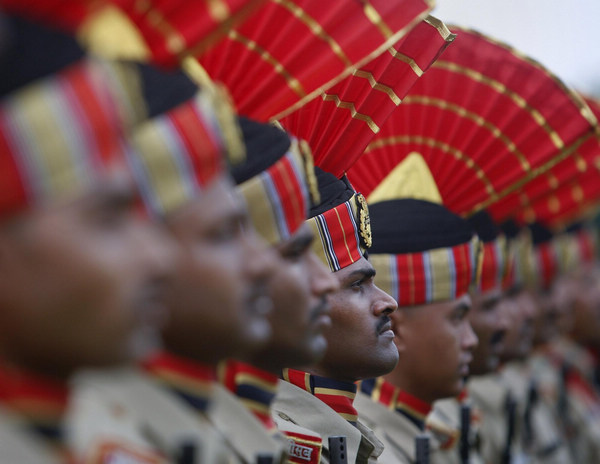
(365, 273)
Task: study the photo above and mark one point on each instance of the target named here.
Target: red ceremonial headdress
(339, 124)
(485, 120)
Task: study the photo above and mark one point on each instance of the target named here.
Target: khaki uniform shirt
(488, 394)
(444, 425)
(550, 445)
(581, 415)
(126, 414)
(19, 447)
(292, 405)
(397, 433)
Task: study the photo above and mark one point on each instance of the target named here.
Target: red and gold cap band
(57, 135)
(443, 274)
(278, 198)
(494, 257)
(178, 154)
(344, 232)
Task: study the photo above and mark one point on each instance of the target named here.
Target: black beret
(163, 90)
(333, 192)
(484, 226)
(31, 51)
(510, 229)
(574, 227)
(539, 233)
(411, 226)
(265, 145)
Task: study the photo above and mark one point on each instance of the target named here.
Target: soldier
(360, 339)
(218, 301)
(278, 183)
(487, 317)
(412, 242)
(82, 274)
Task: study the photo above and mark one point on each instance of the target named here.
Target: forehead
(357, 267)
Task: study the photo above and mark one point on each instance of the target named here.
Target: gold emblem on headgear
(364, 220)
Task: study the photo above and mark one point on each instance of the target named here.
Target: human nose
(384, 303)
(469, 339)
(260, 259)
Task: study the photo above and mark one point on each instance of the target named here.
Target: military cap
(341, 222)
(277, 180)
(182, 140)
(60, 126)
(575, 247)
(423, 252)
(545, 258)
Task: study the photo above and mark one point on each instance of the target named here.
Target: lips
(384, 326)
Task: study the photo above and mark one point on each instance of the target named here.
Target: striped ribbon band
(546, 264)
(344, 233)
(494, 256)
(57, 136)
(443, 274)
(336, 394)
(278, 198)
(177, 155)
(574, 250)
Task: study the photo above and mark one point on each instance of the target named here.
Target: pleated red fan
(562, 198)
(340, 123)
(485, 119)
(174, 28)
(291, 50)
(65, 14)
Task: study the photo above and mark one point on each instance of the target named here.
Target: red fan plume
(340, 123)
(485, 119)
(559, 197)
(291, 50)
(64, 14)
(175, 28)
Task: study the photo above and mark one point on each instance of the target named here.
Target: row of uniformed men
(89, 282)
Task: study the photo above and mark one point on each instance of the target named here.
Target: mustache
(497, 337)
(385, 319)
(319, 309)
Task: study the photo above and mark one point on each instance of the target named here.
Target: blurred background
(562, 35)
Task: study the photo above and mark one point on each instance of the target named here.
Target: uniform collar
(255, 387)
(40, 401)
(190, 380)
(410, 406)
(336, 394)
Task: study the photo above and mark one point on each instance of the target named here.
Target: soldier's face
(489, 320)
(360, 340)
(586, 307)
(81, 281)
(299, 289)
(436, 343)
(519, 335)
(218, 297)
